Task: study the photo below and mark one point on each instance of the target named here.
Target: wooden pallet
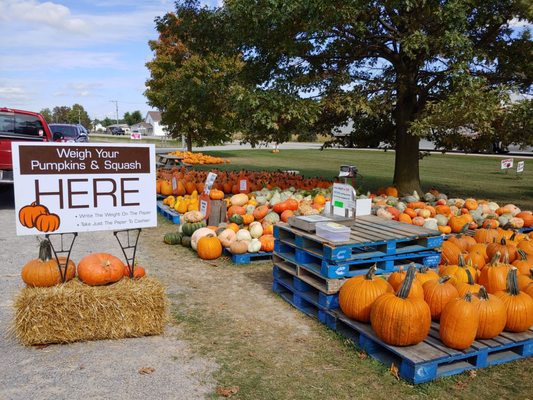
(325, 285)
(420, 363)
(248, 258)
(345, 269)
(170, 214)
(370, 237)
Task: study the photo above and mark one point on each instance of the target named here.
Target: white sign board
(342, 196)
(520, 166)
(209, 182)
(63, 187)
(507, 163)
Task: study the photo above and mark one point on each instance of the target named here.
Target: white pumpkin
(243, 234)
(198, 234)
(256, 229)
(254, 246)
(239, 199)
(431, 223)
(226, 237)
(442, 220)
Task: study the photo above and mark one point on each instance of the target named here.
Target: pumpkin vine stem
(371, 272)
(512, 283)
(495, 258)
(468, 296)
(470, 277)
(482, 294)
(403, 293)
(45, 250)
(444, 278)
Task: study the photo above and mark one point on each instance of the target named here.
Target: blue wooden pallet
(526, 230)
(247, 258)
(305, 291)
(172, 215)
(420, 363)
(368, 239)
(345, 269)
(431, 359)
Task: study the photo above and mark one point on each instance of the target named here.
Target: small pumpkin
(358, 294)
(190, 227)
(425, 274)
(172, 238)
(267, 243)
(492, 315)
(260, 212)
(237, 219)
(518, 305)
(216, 194)
(193, 216)
(100, 269)
(239, 199)
(459, 322)
(256, 229)
(239, 247)
(243, 234)
(209, 247)
(44, 271)
(523, 263)
(469, 286)
(226, 237)
(437, 293)
(186, 241)
(399, 319)
(198, 234)
(254, 246)
(138, 272)
(247, 219)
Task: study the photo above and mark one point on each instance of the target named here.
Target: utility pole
(79, 116)
(116, 107)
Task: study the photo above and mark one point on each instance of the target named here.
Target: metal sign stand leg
(62, 249)
(129, 242)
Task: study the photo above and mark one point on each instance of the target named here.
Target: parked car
(69, 133)
(19, 125)
(115, 130)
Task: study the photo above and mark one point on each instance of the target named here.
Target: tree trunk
(406, 162)
(189, 142)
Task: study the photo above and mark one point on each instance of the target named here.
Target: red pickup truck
(19, 125)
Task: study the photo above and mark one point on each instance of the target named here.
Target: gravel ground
(91, 370)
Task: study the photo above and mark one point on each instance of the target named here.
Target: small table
(169, 161)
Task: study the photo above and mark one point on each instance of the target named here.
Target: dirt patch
(99, 369)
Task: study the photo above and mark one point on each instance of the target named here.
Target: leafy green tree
(107, 121)
(132, 118)
(191, 81)
(78, 114)
(47, 114)
(417, 60)
(61, 114)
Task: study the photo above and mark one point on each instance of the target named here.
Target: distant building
(153, 118)
(142, 127)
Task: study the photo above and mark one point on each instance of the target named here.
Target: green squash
(172, 238)
(186, 241)
(237, 219)
(189, 227)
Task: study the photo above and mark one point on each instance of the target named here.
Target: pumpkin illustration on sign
(37, 216)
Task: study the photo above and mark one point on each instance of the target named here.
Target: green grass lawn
(455, 175)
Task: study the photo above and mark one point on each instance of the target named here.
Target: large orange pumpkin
(519, 305)
(44, 271)
(209, 247)
(492, 315)
(100, 269)
(358, 294)
(459, 322)
(438, 293)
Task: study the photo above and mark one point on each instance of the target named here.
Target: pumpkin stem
(482, 294)
(495, 258)
(512, 282)
(468, 297)
(45, 250)
(407, 282)
(522, 254)
(444, 278)
(461, 263)
(371, 272)
(470, 277)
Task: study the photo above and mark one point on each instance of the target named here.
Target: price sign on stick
(209, 182)
(205, 205)
(520, 166)
(507, 163)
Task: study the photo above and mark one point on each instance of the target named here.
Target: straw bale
(75, 311)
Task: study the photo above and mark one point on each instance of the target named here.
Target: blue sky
(56, 53)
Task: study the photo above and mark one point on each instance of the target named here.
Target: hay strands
(128, 244)
(66, 242)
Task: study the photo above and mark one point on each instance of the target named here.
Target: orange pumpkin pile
(94, 269)
(198, 158)
(477, 293)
